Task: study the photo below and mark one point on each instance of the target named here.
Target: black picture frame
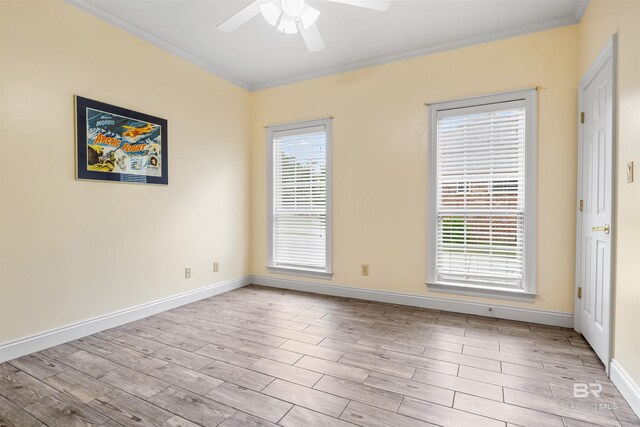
(119, 145)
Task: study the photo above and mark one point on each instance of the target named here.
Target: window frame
(327, 272)
(529, 290)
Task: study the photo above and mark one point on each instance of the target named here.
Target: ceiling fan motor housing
(293, 8)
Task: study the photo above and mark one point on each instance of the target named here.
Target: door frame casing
(609, 52)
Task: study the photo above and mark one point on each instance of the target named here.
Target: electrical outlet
(365, 269)
(629, 172)
(216, 266)
(187, 273)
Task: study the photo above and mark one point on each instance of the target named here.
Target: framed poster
(116, 144)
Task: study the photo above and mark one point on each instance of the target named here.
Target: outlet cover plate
(365, 269)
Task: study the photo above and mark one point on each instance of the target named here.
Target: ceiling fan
(293, 16)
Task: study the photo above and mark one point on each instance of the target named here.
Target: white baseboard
(41, 341)
(37, 342)
(544, 317)
(626, 385)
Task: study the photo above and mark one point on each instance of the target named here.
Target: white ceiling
(256, 55)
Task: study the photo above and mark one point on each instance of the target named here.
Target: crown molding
(366, 63)
(485, 38)
(144, 35)
(581, 9)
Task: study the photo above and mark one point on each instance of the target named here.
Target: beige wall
(602, 19)
(380, 157)
(72, 250)
(65, 243)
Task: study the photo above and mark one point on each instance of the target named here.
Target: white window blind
(480, 201)
(299, 198)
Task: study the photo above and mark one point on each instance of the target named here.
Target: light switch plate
(629, 172)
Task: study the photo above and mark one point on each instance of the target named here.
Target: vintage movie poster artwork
(116, 144)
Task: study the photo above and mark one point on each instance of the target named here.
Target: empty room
(319, 213)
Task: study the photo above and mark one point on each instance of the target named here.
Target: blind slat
(299, 198)
(480, 197)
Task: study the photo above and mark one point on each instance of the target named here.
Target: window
(482, 196)
(300, 198)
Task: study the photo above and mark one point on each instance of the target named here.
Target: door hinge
(581, 205)
(579, 292)
(582, 117)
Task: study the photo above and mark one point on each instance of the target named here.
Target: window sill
(318, 274)
(483, 291)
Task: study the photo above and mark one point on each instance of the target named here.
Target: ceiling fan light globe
(293, 8)
(287, 25)
(309, 16)
(270, 12)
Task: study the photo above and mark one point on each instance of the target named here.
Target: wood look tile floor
(263, 357)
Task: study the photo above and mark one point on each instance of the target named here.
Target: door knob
(604, 228)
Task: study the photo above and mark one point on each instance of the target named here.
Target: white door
(595, 190)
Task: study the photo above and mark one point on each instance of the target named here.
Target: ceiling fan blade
(381, 5)
(241, 17)
(311, 37)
